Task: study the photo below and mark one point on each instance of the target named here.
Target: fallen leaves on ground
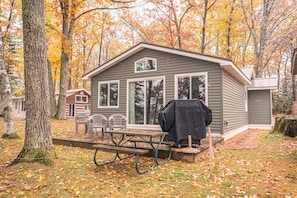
(267, 171)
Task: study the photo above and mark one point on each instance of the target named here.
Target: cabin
(18, 107)
(77, 101)
(139, 82)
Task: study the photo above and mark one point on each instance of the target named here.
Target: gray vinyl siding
(168, 65)
(259, 107)
(233, 103)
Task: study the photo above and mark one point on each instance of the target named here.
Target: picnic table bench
(127, 143)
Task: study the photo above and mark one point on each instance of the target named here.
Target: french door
(145, 100)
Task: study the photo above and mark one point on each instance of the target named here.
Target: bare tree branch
(103, 8)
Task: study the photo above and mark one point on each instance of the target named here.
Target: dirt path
(245, 140)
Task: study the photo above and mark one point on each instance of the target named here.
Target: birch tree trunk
(5, 95)
(38, 141)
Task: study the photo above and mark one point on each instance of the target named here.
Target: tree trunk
(207, 6)
(66, 50)
(202, 49)
(287, 126)
(5, 94)
(38, 141)
(228, 53)
(290, 127)
(53, 105)
(279, 125)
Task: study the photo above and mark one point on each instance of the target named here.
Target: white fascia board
(262, 88)
(236, 72)
(188, 54)
(223, 62)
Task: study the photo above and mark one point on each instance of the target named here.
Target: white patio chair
(97, 121)
(117, 121)
(81, 118)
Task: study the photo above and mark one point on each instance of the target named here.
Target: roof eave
(263, 88)
(224, 63)
(237, 73)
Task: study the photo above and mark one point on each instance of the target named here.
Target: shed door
(259, 107)
(71, 110)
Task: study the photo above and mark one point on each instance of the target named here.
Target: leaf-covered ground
(268, 170)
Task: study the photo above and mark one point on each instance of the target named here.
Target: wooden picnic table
(129, 141)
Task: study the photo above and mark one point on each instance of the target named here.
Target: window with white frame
(146, 64)
(191, 86)
(246, 99)
(108, 94)
(81, 98)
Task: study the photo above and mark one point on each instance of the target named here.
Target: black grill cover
(185, 117)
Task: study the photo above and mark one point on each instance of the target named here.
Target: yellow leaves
(259, 173)
(20, 193)
(28, 173)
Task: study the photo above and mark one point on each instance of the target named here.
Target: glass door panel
(183, 87)
(154, 100)
(136, 102)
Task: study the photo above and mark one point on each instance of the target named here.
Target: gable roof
(249, 72)
(294, 62)
(226, 64)
(73, 91)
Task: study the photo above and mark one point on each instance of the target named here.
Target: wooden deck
(186, 154)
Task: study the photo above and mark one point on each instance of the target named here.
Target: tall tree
(207, 6)
(6, 91)
(264, 20)
(53, 106)
(72, 10)
(230, 18)
(5, 94)
(38, 141)
(172, 16)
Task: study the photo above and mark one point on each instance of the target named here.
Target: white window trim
(190, 75)
(108, 94)
(246, 99)
(142, 59)
(81, 98)
(127, 101)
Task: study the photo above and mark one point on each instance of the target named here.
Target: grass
(268, 171)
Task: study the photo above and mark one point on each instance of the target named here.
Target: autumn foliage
(260, 165)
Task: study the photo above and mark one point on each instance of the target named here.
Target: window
(191, 86)
(87, 107)
(23, 106)
(146, 99)
(146, 64)
(108, 94)
(81, 98)
(245, 100)
(71, 110)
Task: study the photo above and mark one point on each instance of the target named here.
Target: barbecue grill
(184, 119)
